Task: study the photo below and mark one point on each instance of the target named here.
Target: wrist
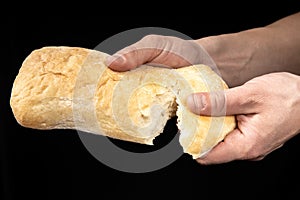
(231, 54)
(240, 56)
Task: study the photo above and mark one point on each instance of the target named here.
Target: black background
(55, 164)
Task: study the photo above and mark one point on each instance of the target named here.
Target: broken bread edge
(199, 134)
(60, 88)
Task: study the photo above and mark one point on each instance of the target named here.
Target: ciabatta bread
(71, 88)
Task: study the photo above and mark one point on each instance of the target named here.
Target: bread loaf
(71, 88)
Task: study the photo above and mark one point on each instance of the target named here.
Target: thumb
(238, 100)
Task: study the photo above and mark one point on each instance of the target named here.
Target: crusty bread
(71, 88)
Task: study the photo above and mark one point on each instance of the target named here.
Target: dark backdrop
(55, 164)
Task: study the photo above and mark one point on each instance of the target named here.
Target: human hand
(158, 50)
(267, 110)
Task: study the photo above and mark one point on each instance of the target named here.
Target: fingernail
(196, 103)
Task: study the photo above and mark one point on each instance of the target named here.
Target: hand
(267, 109)
(157, 50)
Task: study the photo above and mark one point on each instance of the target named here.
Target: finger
(131, 57)
(238, 100)
(154, 49)
(166, 51)
(228, 150)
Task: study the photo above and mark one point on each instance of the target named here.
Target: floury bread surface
(71, 88)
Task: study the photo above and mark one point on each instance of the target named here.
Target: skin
(261, 67)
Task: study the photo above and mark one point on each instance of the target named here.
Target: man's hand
(268, 114)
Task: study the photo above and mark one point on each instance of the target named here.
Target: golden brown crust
(52, 91)
(42, 91)
(71, 88)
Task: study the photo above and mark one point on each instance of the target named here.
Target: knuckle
(253, 100)
(254, 95)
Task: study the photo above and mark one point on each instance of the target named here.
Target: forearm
(244, 55)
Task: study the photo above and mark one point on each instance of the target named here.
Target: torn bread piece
(71, 88)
